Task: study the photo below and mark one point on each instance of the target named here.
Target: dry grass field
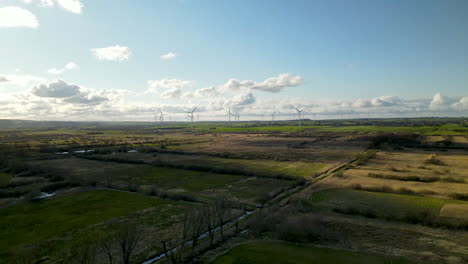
(437, 174)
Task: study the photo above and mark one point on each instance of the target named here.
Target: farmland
(367, 191)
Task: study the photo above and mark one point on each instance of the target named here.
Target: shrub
(304, 228)
(459, 196)
(434, 160)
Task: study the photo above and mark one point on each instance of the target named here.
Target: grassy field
(441, 174)
(62, 217)
(382, 205)
(260, 128)
(449, 129)
(266, 168)
(120, 174)
(282, 253)
(4, 178)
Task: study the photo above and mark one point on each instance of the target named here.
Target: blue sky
(390, 57)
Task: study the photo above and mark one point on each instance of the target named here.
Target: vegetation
(279, 252)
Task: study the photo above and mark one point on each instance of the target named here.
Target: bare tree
(222, 210)
(168, 253)
(127, 240)
(107, 245)
(210, 222)
(196, 227)
(85, 252)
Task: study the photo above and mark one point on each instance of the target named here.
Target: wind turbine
(156, 117)
(161, 117)
(229, 114)
(190, 115)
(299, 113)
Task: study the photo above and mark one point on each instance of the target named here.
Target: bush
(304, 229)
(434, 161)
(459, 196)
(57, 185)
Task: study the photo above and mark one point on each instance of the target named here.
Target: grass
(283, 253)
(4, 178)
(168, 178)
(61, 216)
(266, 168)
(120, 174)
(382, 205)
(449, 129)
(260, 128)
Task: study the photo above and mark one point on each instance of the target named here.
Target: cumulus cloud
(461, 105)
(440, 102)
(74, 94)
(57, 89)
(68, 67)
(13, 16)
(208, 92)
(3, 79)
(243, 99)
(113, 53)
(168, 56)
(21, 81)
(74, 6)
(172, 93)
(273, 84)
(173, 87)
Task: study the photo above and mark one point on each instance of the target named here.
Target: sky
(125, 60)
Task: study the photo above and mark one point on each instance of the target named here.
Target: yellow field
(410, 172)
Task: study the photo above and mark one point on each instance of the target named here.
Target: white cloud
(3, 79)
(243, 99)
(168, 56)
(169, 83)
(273, 84)
(462, 104)
(174, 87)
(440, 102)
(41, 2)
(22, 81)
(172, 93)
(69, 66)
(74, 6)
(13, 16)
(209, 92)
(114, 53)
(57, 89)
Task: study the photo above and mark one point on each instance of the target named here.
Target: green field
(259, 128)
(450, 129)
(4, 178)
(266, 168)
(61, 217)
(384, 205)
(283, 253)
(187, 180)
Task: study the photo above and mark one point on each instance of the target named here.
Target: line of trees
(196, 223)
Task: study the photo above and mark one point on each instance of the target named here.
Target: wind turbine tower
(190, 115)
(161, 117)
(229, 114)
(299, 114)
